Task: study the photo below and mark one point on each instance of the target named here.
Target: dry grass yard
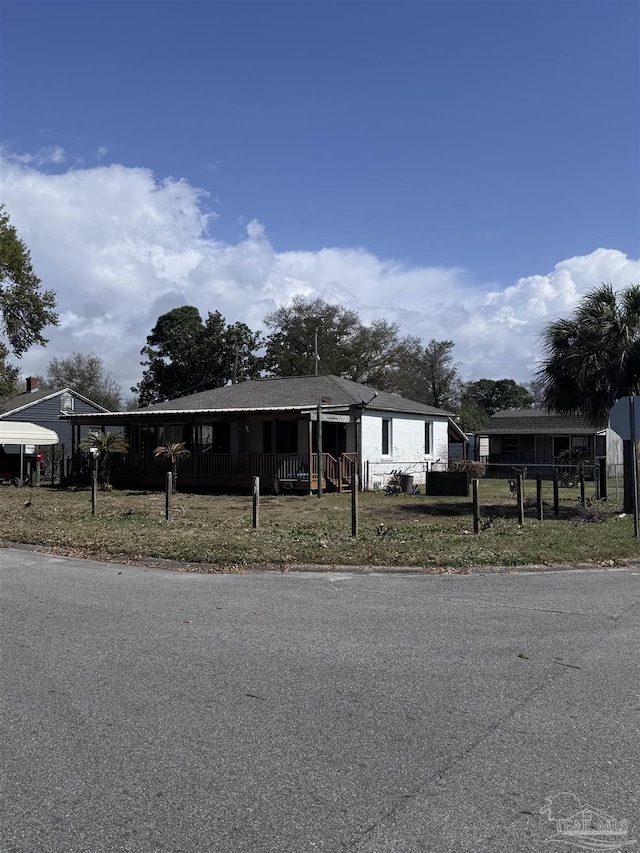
(394, 530)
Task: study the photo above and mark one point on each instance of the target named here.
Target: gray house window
(510, 444)
(66, 402)
(427, 438)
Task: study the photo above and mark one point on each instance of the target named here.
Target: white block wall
(406, 446)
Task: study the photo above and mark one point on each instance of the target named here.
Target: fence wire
(378, 474)
(596, 487)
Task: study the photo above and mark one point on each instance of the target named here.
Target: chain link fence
(378, 476)
(598, 485)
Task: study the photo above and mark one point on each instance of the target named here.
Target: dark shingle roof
(293, 392)
(538, 422)
(28, 398)
(24, 399)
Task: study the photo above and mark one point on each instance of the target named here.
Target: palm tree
(569, 462)
(104, 443)
(593, 358)
(573, 457)
(171, 453)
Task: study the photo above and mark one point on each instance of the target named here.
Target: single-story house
(538, 437)
(269, 428)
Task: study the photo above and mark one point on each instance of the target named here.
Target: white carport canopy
(18, 432)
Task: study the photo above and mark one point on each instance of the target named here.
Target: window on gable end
(66, 402)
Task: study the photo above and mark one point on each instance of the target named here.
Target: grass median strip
(397, 530)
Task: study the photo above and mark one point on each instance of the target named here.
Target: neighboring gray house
(47, 408)
(269, 428)
(536, 436)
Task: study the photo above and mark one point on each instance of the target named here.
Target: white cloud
(121, 247)
(50, 155)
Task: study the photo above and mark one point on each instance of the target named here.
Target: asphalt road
(147, 710)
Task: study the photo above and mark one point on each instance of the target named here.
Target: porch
(293, 472)
(539, 449)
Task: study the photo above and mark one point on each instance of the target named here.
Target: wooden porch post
(310, 448)
(362, 482)
(319, 443)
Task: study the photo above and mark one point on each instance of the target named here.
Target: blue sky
(495, 137)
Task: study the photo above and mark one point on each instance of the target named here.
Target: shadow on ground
(502, 509)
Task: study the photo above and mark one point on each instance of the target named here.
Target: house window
(66, 402)
(580, 442)
(510, 444)
(205, 438)
(213, 437)
(427, 438)
(386, 437)
(172, 434)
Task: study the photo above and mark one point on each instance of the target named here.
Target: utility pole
(236, 363)
(315, 351)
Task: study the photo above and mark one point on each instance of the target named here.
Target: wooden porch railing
(219, 465)
(215, 468)
(330, 467)
(203, 467)
(348, 467)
